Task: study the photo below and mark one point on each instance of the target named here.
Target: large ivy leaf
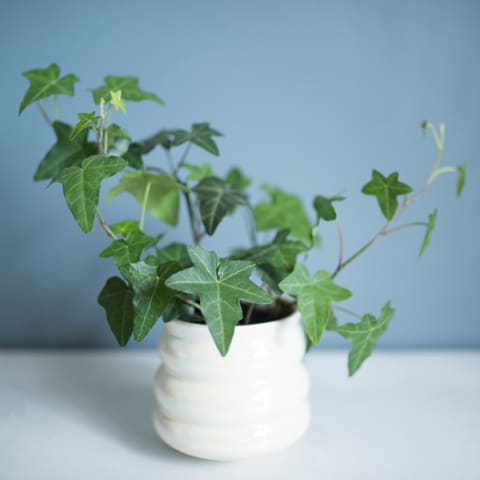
(386, 189)
(45, 82)
(116, 299)
(175, 252)
(364, 335)
(283, 211)
(128, 249)
(216, 198)
(163, 200)
(150, 294)
(201, 135)
(220, 284)
(129, 88)
(314, 296)
(65, 152)
(462, 175)
(81, 186)
(324, 207)
(432, 217)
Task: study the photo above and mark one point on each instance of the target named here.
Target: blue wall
(311, 95)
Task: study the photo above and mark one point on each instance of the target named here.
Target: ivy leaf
(116, 100)
(314, 296)
(198, 172)
(134, 156)
(432, 217)
(129, 87)
(175, 252)
(216, 198)
(65, 152)
(237, 179)
(128, 249)
(118, 141)
(81, 186)
(220, 284)
(125, 227)
(364, 335)
(163, 138)
(386, 189)
(201, 135)
(462, 175)
(116, 299)
(85, 121)
(163, 200)
(45, 82)
(283, 211)
(324, 207)
(150, 294)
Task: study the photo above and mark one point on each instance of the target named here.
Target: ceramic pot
(251, 402)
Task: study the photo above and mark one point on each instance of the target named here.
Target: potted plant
(231, 382)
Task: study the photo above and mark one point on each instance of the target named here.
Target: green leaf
(363, 336)
(116, 299)
(216, 198)
(125, 227)
(324, 207)
(386, 189)
(65, 152)
(432, 217)
(129, 87)
(116, 100)
(134, 156)
(314, 296)
(45, 82)
(201, 135)
(118, 144)
(462, 175)
(283, 211)
(81, 186)
(85, 121)
(175, 252)
(128, 249)
(163, 200)
(198, 172)
(220, 284)
(150, 294)
(163, 138)
(237, 179)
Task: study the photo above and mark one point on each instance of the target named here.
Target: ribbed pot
(251, 402)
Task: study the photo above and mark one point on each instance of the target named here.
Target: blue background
(310, 96)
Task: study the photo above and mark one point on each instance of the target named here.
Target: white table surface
(87, 415)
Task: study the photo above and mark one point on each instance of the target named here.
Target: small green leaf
(164, 138)
(216, 198)
(363, 336)
(125, 227)
(81, 186)
(128, 249)
(45, 82)
(432, 217)
(201, 135)
(150, 294)
(129, 87)
(175, 252)
(198, 172)
(237, 179)
(220, 284)
(85, 121)
(163, 200)
(462, 175)
(324, 207)
(386, 189)
(116, 100)
(283, 211)
(116, 299)
(314, 296)
(65, 152)
(134, 156)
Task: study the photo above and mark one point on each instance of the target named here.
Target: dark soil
(267, 313)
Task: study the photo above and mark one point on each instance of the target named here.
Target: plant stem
(104, 225)
(346, 310)
(170, 161)
(55, 108)
(183, 157)
(189, 302)
(101, 124)
(144, 205)
(44, 114)
(407, 201)
(340, 242)
(248, 316)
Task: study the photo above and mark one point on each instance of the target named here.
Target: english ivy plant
(161, 279)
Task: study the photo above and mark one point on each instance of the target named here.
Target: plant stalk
(144, 205)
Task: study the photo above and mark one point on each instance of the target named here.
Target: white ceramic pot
(251, 402)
